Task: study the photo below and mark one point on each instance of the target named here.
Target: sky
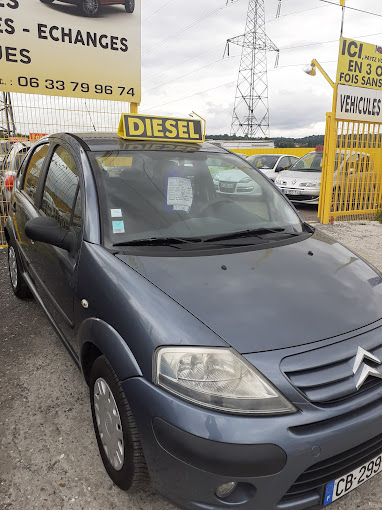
(183, 68)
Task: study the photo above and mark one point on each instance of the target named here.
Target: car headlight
(218, 378)
(310, 184)
(245, 179)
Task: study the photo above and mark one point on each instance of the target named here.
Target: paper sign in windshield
(179, 193)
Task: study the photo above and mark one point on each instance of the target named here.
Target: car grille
(317, 476)
(227, 187)
(301, 197)
(325, 376)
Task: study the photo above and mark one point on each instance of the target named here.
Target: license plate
(338, 488)
(227, 186)
(292, 192)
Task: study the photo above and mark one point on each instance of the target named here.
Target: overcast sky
(183, 69)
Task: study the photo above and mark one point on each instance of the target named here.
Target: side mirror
(279, 169)
(47, 230)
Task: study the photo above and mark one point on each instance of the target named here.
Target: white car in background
(271, 164)
(302, 182)
(235, 181)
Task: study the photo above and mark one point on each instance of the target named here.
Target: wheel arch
(98, 338)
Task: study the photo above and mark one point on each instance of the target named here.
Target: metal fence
(351, 186)
(25, 118)
(297, 151)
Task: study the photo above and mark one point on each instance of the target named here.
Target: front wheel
(115, 429)
(19, 287)
(89, 8)
(130, 6)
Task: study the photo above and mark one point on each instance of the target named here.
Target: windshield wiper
(258, 232)
(160, 241)
(174, 241)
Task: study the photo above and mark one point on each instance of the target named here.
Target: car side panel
(107, 340)
(133, 307)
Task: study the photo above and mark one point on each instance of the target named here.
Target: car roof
(111, 141)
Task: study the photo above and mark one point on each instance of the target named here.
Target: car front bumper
(190, 451)
(301, 195)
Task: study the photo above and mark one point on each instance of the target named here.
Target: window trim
(22, 173)
(44, 175)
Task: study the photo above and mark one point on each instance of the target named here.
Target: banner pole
(343, 16)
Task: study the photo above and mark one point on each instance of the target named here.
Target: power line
(229, 83)
(191, 95)
(160, 8)
(236, 56)
(183, 62)
(187, 74)
(296, 12)
(189, 26)
(352, 8)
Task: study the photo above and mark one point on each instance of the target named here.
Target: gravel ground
(364, 238)
(48, 455)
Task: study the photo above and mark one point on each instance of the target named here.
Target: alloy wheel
(90, 6)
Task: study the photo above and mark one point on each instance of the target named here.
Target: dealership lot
(48, 455)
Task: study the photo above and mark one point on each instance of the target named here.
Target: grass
(378, 216)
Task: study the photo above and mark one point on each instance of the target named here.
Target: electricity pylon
(7, 125)
(251, 112)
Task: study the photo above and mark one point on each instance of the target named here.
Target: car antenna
(87, 109)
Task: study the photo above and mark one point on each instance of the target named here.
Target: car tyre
(19, 287)
(115, 429)
(90, 8)
(130, 6)
(47, 1)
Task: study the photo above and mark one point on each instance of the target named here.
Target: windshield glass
(154, 194)
(311, 162)
(263, 161)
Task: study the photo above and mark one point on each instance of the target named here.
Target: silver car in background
(271, 164)
(302, 182)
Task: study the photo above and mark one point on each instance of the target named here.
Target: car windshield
(263, 161)
(311, 162)
(156, 195)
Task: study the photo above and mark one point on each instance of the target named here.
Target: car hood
(234, 175)
(273, 298)
(296, 178)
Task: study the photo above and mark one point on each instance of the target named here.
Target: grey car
(232, 352)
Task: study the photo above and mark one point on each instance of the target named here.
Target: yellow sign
(71, 48)
(164, 129)
(359, 64)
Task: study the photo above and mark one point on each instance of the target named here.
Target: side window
(33, 170)
(60, 187)
(284, 163)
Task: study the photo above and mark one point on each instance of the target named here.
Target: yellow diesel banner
(359, 64)
(71, 48)
(164, 129)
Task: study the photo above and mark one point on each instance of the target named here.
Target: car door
(23, 207)
(54, 268)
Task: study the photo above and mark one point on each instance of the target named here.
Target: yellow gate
(351, 185)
